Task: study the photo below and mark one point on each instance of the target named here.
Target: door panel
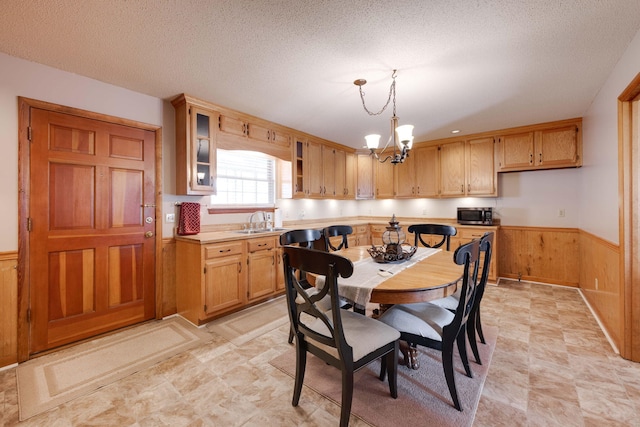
(91, 245)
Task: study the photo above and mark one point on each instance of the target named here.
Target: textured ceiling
(473, 65)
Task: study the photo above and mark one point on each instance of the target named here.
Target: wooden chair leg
(347, 397)
(301, 363)
(447, 365)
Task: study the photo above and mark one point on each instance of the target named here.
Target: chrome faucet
(261, 224)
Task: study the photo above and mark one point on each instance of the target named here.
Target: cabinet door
(299, 168)
(280, 138)
(481, 171)
(515, 152)
(258, 133)
(350, 172)
(261, 273)
(364, 164)
(340, 161)
(329, 170)
(222, 284)
(314, 169)
(203, 152)
(452, 169)
(232, 125)
(280, 285)
(404, 178)
(384, 180)
(557, 147)
(427, 171)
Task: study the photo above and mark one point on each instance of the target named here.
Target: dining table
(428, 275)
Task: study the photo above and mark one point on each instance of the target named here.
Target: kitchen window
(245, 179)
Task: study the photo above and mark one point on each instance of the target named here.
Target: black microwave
(475, 216)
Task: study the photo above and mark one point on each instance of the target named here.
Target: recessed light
(455, 131)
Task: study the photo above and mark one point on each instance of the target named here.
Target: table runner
(367, 274)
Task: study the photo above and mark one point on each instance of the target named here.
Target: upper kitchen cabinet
(196, 128)
(480, 165)
(404, 176)
(456, 169)
(427, 170)
(545, 146)
(452, 169)
(243, 132)
(384, 179)
(322, 170)
(364, 180)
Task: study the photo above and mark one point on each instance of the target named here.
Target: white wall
(599, 178)
(31, 80)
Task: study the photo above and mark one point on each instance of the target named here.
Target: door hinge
(205, 270)
(29, 224)
(28, 315)
(29, 133)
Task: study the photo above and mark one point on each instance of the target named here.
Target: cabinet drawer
(254, 245)
(360, 229)
(470, 234)
(222, 249)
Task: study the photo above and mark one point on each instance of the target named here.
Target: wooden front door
(92, 227)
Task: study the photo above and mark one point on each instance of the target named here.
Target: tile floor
(552, 367)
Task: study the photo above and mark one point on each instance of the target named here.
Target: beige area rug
(243, 326)
(423, 396)
(56, 378)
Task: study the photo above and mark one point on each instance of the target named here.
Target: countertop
(206, 237)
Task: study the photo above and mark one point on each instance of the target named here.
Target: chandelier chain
(392, 94)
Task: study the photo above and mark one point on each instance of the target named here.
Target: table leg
(410, 354)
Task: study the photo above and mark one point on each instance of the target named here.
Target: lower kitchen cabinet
(469, 233)
(219, 278)
(261, 268)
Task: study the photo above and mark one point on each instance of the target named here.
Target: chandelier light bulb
(372, 141)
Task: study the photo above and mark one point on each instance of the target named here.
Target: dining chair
(446, 231)
(336, 230)
(340, 338)
(432, 326)
(474, 325)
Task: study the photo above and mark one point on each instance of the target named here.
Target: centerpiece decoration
(394, 247)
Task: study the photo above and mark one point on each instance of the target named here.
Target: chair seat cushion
(422, 319)
(450, 303)
(362, 333)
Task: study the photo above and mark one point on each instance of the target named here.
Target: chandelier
(401, 137)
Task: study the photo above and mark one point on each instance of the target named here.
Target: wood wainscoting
(601, 285)
(540, 254)
(569, 257)
(8, 308)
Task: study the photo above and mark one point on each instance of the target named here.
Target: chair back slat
(445, 231)
(334, 231)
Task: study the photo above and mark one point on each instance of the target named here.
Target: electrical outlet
(268, 216)
(561, 213)
(424, 212)
(170, 218)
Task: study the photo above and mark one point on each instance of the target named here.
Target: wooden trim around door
(24, 107)
(629, 199)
